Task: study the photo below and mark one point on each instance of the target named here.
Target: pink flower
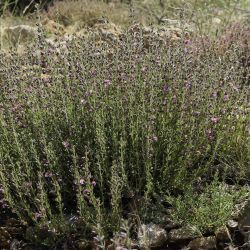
(175, 98)
(38, 215)
(48, 174)
(210, 134)
(66, 144)
(226, 97)
(187, 42)
(215, 119)
(82, 182)
(86, 191)
(93, 183)
(214, 94)
(154, 138)
(188, 85)
(107, 83)
(165, 88)
(3, 204)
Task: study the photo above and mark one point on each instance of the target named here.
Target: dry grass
(87, 12)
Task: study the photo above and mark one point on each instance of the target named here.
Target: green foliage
(209, 210)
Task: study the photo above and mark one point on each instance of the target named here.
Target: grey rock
(239, 209)
(15, 244)
(170, 224)
(231, 247)
(19, 34)
(152, 235)
(232, 224)
(203, 243)
(223, 236)
(183, 234)
(244, 222)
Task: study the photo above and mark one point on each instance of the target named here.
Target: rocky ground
(235, 235)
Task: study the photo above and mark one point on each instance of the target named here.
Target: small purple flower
(226, 97)
(215, 119)
(154, 138)
(188, 85)
(214, 94)
(85, 191)
(48, 174)
(93, 183)
(175, 98)
(88, 93)
(38, 215)
(107, 83)
(82, 182)
(3, 204)
(187, 42)
(66, 144)
(165, 88)
(210, 134)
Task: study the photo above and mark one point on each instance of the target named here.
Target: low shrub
(207, 211)
(86, 126)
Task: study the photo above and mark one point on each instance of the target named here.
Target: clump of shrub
(208, 210)
(83, 127)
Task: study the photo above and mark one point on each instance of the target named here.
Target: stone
(232, 224)
(152, 235)
(238, 211)
(53, 27)
(244, 222)
(170, 224)
(183, 234)
(223, 236)
(203, 243)
(19, 34)
(16, 244)
(108, 31)
(231, 247)
(5, 238)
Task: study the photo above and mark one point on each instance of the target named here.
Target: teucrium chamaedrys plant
(82, 126)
